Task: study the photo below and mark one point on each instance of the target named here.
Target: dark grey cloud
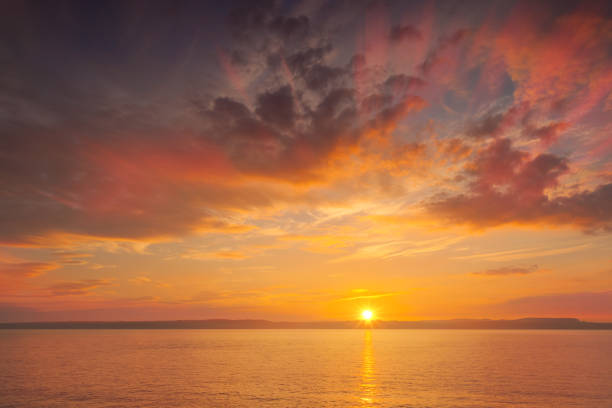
(251, 17)
(261, 31)
(400, 85)
(404, 33)
(302, 61)
(321, 77)
(508, 270)
(290, 27)
(308, 65)
(277, 107)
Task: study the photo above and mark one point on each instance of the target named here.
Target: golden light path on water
(368, 375)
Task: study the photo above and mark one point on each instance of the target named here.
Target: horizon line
(220, 323)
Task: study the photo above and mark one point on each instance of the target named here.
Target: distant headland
(459, 324)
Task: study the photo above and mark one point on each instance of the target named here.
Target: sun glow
(367, 315)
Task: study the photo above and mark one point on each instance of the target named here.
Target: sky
(304, 160)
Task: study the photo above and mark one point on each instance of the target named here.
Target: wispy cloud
(144, 280)
(77, 288)
(399, 248)
(18, 268)
(524, 253)
(372, 296)
(508, 270)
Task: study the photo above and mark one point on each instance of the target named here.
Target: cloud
(130, 217)
(26, 269)
(544, 71)
(143, 280)
(303, 61)
(587, 210)
(493, 124)
(546, 134)
(398, 248)
(508, 270)
(252, 19)
(74, 288)
(401, 33)
(216, 255)
(258, 146)
(524, 253)
(436, 54)
(509, 186)
(288, 116)
(277, 107)
(297, 127)
(72, 258)
(290, 27)
(369, 296)
(400, 85)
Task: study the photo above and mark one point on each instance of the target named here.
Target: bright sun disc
(367, 315)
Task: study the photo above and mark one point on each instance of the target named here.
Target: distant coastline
(459, 324)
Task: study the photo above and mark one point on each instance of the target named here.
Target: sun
(367, 315)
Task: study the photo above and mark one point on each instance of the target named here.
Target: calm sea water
(305, 368)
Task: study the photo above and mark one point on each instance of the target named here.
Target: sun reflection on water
(368, 379)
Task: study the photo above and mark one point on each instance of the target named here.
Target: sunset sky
(305, 160)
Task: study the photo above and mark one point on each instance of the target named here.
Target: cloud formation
(510, 186)
(19, 270)
(508, 270)
(402, 33)
(74, 288)
(104, 166)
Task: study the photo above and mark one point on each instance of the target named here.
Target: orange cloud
(508, 186)
(26, 269)
(74, 288)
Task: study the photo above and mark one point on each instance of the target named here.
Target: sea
(305, 368)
